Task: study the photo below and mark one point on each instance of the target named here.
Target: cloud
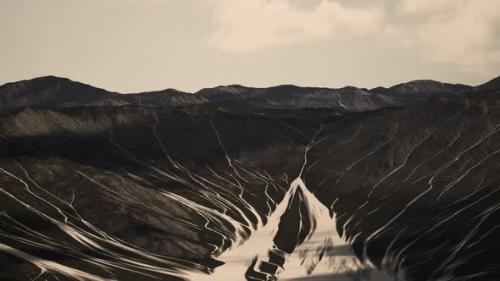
(460, 32)
(246, 25)
(426, 6)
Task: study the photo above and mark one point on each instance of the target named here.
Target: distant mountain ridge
(51, 91)
(423, 86)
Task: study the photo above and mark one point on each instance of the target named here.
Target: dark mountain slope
(59, 92)
(424, 87)
(51, 91)
(417, 188)
(348, 99)
(490, 85)
(142, 192)
(181, 184)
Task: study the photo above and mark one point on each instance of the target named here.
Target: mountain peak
(428, 87)
(226, 89)
(490, 85)
(50, 91)
(50, 78)
(38, 80)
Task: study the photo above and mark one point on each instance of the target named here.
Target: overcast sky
(140, 45)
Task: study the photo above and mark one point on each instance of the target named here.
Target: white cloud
(429, 6)
(245, 25)
(462, 33)
(459, 32)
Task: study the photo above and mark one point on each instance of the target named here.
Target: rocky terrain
(167, 185)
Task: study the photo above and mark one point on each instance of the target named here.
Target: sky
(143, 45)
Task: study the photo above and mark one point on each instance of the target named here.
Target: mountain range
(165, 185)
(51, 91)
